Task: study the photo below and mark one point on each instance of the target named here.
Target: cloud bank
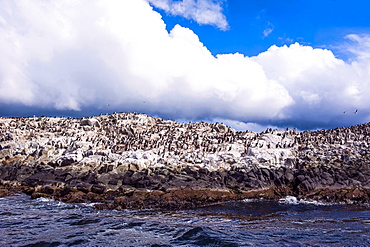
(103, 56)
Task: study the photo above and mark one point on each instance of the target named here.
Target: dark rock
(90, 122)
(75, 197)
(98, 189)
(289, 177)
(40, 178)
(66, 162)
(47, 189)
(36, 195)
(85, 187)
(3, 192)
(157, 179)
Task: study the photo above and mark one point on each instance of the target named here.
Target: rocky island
(131, 160)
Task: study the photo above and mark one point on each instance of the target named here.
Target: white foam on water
(43, 199)
(90, 204)
(289, 200)
(250, 200)
(294, 201)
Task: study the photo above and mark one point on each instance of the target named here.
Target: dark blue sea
(43, 222)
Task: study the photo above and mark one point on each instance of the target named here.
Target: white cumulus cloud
(117, 55)
(207, 12)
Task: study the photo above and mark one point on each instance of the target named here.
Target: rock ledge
(131, 160)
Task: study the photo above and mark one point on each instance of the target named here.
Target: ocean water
(288, 222)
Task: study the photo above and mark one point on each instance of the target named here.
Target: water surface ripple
(42, 222)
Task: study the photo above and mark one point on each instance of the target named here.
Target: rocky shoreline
(130, 160)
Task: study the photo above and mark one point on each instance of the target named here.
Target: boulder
(90, 122)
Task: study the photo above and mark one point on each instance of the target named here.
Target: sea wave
(248, 200)
(294, 201)
(259, 223)
(43, 199)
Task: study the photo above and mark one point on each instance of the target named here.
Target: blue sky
(248, 64)
(254, 26)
